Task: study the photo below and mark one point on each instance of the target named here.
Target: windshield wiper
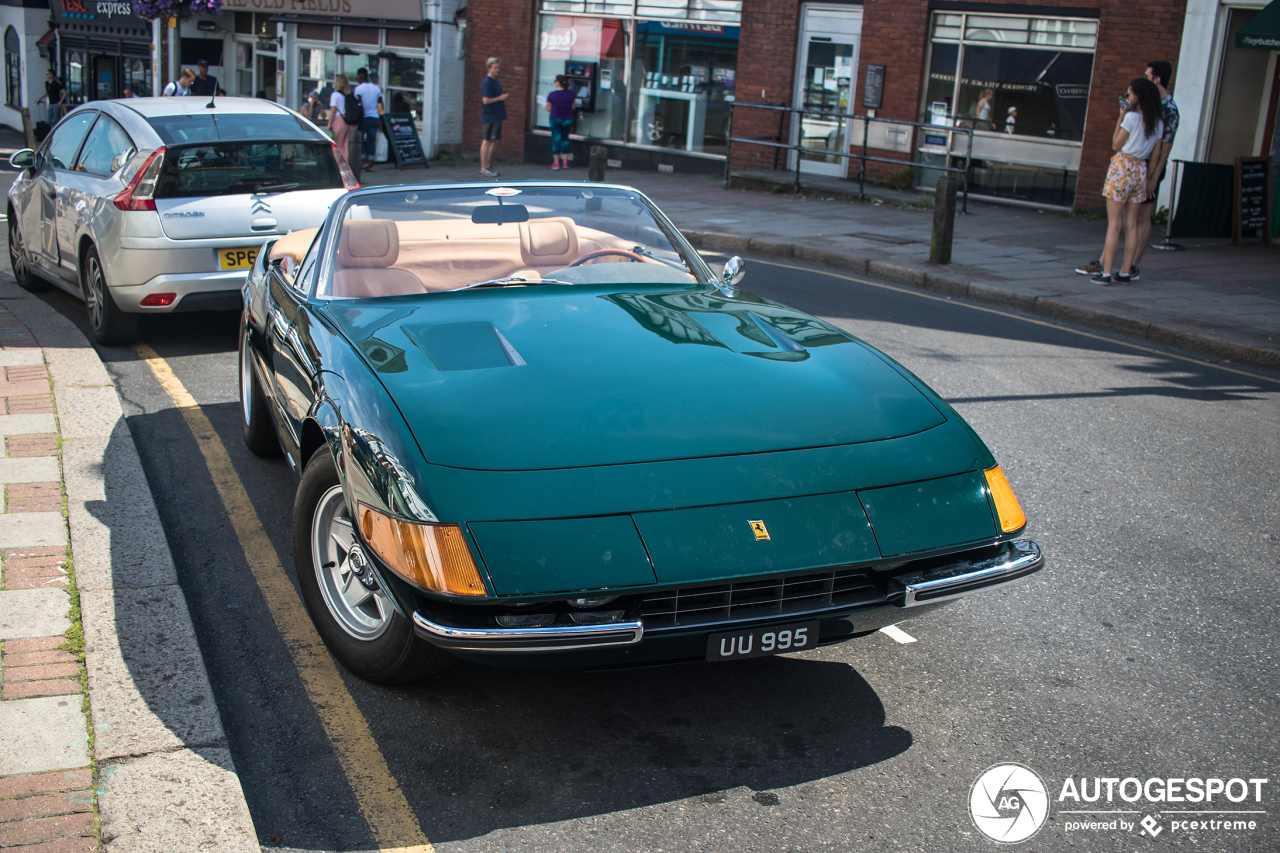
(641, 250)
(274, 188)
(502, 282)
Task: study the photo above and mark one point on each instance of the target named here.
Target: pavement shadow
(481, 748)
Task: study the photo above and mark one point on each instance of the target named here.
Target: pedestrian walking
(370, 95)
(1011, 120)
(984, 108)
(492, 115)
(181, 86)
(337, 113)
(1159, 72)
(55, 94)
(1138, 128)
(204, 83)
(560, 105)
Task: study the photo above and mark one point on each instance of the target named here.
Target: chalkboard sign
(403, 140)
(873, 88)
(1252, 208)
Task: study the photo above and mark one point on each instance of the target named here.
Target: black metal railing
(863, 157)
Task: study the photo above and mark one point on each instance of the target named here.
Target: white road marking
(896, 634)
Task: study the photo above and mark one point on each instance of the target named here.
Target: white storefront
(285, 51)
(1225, 93)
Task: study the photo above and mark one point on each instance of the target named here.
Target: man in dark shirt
(492, 115)
(56, 94)
(204, 84)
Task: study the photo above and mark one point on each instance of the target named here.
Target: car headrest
(549, 242)
(368, 243)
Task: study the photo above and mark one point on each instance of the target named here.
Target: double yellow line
(382, 803)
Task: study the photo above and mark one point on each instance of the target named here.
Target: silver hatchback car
(154, 205)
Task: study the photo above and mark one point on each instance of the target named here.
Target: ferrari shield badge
(758, 528)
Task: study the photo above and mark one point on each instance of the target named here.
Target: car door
(293, 365)
(85, 202)
(58, 160)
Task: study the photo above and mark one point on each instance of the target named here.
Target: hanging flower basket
(175, 8)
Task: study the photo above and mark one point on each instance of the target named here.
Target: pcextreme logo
(1010, 803)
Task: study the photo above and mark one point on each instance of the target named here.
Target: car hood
(577, 376)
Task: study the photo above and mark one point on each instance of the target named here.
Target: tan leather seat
(367, 250)
(549, 243)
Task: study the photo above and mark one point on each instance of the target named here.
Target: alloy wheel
(17, 253)
(95, 293)
(360, 607)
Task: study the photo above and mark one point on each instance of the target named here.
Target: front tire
(255, 421)
(22, 271)
(359, 624)
(108, 325)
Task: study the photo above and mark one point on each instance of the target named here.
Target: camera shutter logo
(1009, 803)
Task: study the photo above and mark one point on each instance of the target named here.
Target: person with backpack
(338, 102)
(181, 86)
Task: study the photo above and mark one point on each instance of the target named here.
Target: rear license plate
(758, 642)
(237, 259)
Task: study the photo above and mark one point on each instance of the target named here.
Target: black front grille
(758, 599)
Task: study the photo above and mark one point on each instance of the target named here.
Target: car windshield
(232, 168)
(414, 241)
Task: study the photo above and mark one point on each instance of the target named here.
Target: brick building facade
(1107, 42)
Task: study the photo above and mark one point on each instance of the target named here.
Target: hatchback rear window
(209, 127)
(232, 168)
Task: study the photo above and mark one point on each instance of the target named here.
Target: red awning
(46, 39)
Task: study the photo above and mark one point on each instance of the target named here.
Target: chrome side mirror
(23, 158)
(734, 269)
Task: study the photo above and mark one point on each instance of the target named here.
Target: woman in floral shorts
(1138, 129)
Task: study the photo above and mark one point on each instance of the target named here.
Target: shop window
(315, 32)
(683, 82)
(592, 52)
(137, 76)
(1020, 76)
(415, 39)
(350, 63)
(12, 68)
(404, 85)
(244, 69)
(75, 77)
(315, 72)
(360, 35)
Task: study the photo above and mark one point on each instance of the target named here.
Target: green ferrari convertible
(532, 426)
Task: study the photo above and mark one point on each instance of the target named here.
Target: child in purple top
(560, 104)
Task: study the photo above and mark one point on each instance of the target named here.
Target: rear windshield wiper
(511, 279)
(274, 188)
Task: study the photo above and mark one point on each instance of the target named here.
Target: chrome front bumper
(915, 589)
(952, 581)
(557, 638)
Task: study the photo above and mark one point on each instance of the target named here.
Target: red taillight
(140, 194)
(158, 300)
(348, 177)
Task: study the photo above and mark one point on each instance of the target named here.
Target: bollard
(595, 170)
(944, 221)
(354, 140)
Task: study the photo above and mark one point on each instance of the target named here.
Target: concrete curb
(166, 780)
(1049, 307)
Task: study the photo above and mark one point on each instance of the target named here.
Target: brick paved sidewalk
(47, 798)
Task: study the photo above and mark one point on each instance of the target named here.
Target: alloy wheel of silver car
(95, 292)
(17, 255)
(350, 590)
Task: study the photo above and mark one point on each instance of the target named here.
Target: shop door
(828, 61)
(266, 78)
(104, 78)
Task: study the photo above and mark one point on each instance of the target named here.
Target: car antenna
(212, 95)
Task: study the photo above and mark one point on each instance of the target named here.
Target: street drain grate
(882, 238)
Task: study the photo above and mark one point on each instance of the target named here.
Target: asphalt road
(1145, 649)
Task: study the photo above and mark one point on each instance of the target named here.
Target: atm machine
(583, 77)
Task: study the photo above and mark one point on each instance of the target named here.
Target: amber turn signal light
(434, 556)
(1007, 507)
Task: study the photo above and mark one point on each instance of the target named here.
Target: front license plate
(758, 642)
(237, 259)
